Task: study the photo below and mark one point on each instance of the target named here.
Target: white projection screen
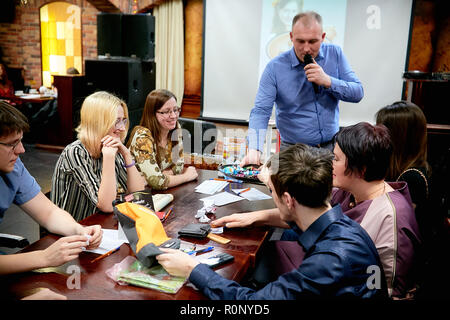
(240, 37)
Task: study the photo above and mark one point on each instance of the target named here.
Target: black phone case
(223, 258)
(196, 230)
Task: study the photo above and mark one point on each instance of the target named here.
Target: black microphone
(308, 59)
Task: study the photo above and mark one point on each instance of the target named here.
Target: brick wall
(20, 40)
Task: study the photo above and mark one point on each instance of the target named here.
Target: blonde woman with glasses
(93, 169)
(156, 144)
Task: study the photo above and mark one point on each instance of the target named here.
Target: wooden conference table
(35, 97)
(94, 283)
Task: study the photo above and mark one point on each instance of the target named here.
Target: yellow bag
(144, 231)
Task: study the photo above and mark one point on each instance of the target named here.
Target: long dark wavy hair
(407, 125)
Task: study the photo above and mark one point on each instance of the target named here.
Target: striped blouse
(77, 178)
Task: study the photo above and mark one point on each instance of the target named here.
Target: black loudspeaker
(79, 93)
(138, 39)
(134, 117)
(130, 79)
(7, 11)
(126, 35)
(109, 34)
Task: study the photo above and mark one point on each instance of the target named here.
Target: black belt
(325, 144)
(320, 145)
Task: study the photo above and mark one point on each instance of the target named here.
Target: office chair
(198, 136)
(13, 241)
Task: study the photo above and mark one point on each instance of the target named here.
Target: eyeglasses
(12, 145)
(175, 110)
(120, 122)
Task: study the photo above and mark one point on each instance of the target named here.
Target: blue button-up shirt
(338, 254)
(17, 187)
(302, 115)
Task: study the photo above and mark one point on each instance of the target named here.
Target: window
(60, 39)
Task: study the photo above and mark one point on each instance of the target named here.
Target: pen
(201, 250)
(227, 180)
(219, 179)
(191, 250)
(166, 215)
(245, 190)
(232, 179)
(106, 254)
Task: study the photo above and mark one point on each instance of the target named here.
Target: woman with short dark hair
(384, 209)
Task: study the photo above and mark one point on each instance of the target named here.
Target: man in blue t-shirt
(306, 95)
(340, 257)
(19, 187)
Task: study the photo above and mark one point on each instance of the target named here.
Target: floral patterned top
(152, 160)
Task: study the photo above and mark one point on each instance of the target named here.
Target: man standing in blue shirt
(306, 96)
(340, 258)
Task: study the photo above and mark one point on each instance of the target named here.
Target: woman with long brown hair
(408, 129)
(156, 143)
(407, 125)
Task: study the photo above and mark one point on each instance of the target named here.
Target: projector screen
(240, 37)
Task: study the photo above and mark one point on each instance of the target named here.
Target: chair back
(198, 136)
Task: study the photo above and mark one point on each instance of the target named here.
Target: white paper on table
(110, 241)
(253, 194)
(223, 198)
(211, 186)
(121, 234)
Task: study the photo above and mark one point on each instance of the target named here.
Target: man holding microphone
(305, 83)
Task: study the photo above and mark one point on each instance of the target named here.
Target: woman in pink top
(383, 209)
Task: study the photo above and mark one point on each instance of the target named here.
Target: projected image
(276, 24)
(241, 37)
(283, 13)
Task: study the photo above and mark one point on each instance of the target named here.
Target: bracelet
(129, 165)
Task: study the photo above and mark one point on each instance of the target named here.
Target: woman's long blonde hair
(97, 116)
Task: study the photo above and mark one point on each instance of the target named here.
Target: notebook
(145, 198)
